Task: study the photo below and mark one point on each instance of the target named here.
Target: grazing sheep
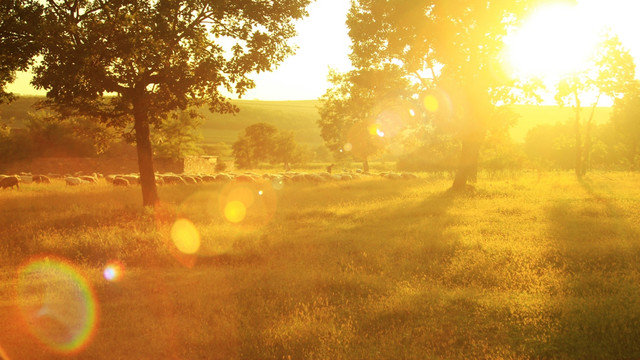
(208, 178)
(89, 179)
(223, 177)
(409, 176)
(173, 179)
(245, 178)
(189, 179)
(10, 181)
(74, 181)
(120, 181)
(41, 179)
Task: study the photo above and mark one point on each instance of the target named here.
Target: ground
(527, 265)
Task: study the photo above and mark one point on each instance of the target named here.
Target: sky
(323, 42)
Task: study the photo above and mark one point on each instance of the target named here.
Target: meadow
(525, 266)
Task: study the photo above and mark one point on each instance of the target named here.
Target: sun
(555, 41)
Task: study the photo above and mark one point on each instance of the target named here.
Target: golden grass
(526, 266)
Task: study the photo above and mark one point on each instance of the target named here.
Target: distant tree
(19, 27)
(130, 63)
(286, 150)
(262, 142)
(454, 47)
(626, 122)
(610, 72)
(178, 135)
(350, 111)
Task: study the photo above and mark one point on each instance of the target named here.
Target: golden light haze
(555, 40)
(558, 39)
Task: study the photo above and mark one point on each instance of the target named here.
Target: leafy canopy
(175, 52)
(19, 28)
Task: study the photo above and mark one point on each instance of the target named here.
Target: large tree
(452, 47)
(131, 62)
(19, 27)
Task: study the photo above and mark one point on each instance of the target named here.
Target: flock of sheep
(13, 181)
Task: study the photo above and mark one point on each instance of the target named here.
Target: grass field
(527, 266)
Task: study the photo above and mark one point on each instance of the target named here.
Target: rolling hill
(301, 116)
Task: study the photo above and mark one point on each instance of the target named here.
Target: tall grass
(525, 266)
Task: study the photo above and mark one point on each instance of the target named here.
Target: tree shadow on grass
(595, 311)
(344, 293)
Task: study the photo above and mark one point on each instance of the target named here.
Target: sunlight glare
(57, 303)
(556, 41)
(113, 271)
(430, 103)
(235, 211)
(185, 236)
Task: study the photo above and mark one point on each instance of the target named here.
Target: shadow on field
(595, 312)
(337, 292)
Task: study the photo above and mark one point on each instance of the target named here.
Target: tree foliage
(263, 142)
(626, 121)
(353, 111)
(19, 28)
(178, 135)
(450, 55)
(610, 73)
(133, 62)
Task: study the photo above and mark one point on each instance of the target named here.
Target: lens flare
(249, 203)
(347, 147)
(379, 133)
(57, 304)
(235, 211)
(113, 271)
(185, 236)
(431, 103)
(373, 129)
(412, 112)
(277, 184)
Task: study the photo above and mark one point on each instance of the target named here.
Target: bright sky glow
(323, 43)
(558, 39)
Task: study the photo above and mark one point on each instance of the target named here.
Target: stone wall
(200, 165)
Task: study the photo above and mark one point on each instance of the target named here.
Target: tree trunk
(586, 164)
(365, 166)
(468, 165)
(145, 154)
(578, 134)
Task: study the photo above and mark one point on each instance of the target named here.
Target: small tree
(263, 143)
(350, 112)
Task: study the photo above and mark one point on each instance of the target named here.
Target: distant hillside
(297, 116)
(301, 118)
(534, 115)
(16, 112)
